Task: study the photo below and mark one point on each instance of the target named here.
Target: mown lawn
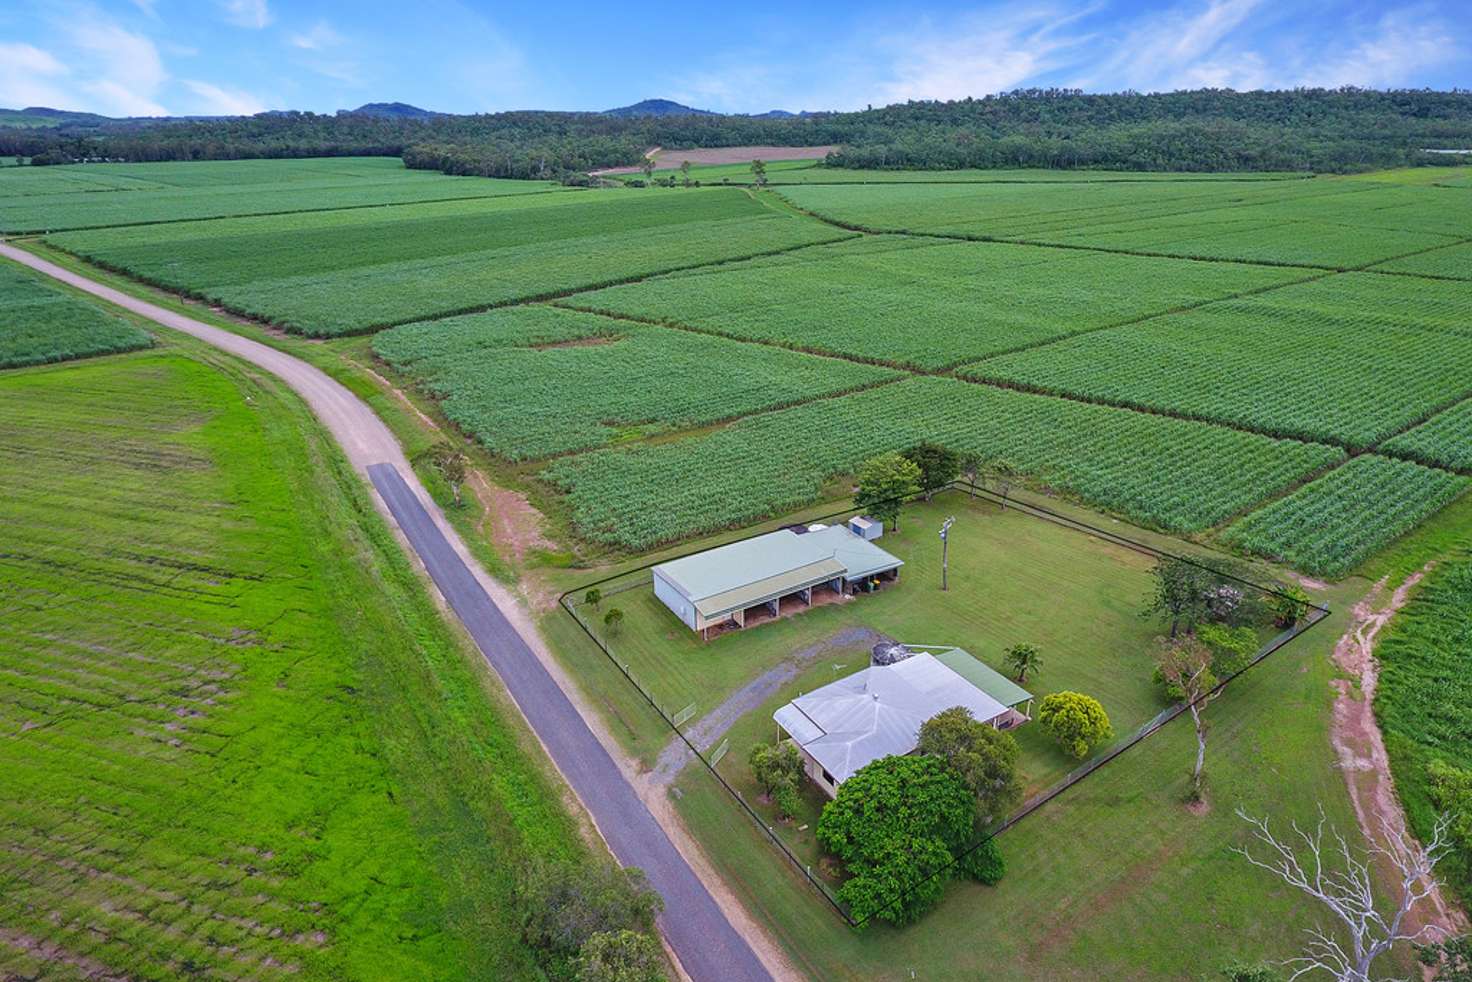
(1013, 578)
(237, 737)
(1114, 879)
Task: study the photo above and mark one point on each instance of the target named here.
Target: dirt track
(1361, 748)
(700, 931)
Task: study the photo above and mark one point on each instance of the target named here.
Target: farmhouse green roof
(984, 677)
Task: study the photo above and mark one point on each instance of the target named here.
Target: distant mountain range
(41, 117)
(666, 107)
(391, 110)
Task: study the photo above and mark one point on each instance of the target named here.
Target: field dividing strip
(290, 211)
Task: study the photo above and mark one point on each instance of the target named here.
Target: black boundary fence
(1315, 614)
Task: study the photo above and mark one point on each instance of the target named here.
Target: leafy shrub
(564, 904)
(620, 956)
(1076, 721)
(985, 863)
(1231, 647)
(1289, 605)
(777, 767)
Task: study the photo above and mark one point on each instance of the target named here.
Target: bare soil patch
(1361, 748)
(724, 155)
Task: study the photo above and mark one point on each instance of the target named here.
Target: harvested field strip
(41, 323)
(921, 304)
(536, 381)
(1172, 474)
(1351, 359)
(1331, 525)
(219, 757)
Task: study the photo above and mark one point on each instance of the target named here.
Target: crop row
(335, 273)
(33, 200)
(39, 323)
(534, 381)
(1444, 440)
(1350, 358)
(923, 303)
(1331, 525)
(1172, 474)
(1321, 223)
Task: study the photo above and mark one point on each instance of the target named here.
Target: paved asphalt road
(703, 939)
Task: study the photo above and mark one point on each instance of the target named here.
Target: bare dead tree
(1343, 882)
(1184, 664)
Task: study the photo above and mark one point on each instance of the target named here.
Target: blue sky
(149, 57)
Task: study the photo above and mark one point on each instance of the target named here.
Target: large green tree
(884, 484)
(897, 825)
(938, 465)
(984, 756)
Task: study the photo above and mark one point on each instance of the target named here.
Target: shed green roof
(770, 588)
(984, 677)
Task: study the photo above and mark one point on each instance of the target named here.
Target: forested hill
(1210, 129)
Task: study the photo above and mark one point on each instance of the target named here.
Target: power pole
(945, 547)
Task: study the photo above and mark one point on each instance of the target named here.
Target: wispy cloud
(248, 13)
(319, 36)
(26, 78)
(213, 100)
(978, 55)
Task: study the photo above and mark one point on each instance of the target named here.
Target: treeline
(1206, 130)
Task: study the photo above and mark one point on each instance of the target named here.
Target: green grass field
(1197, 474)
(340, 272)
(239, 739)
(925, 304)
(534, 381)
(37, 199)
(1351, 359)
(41, 322)
(1090, 630)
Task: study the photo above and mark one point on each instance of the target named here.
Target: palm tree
(1024, 658)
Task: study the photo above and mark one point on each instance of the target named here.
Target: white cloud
(148, 7)
(248, 13)
(122, 70)
(1185, 46)
(25, 78)
(217, 101)
(319, 36)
